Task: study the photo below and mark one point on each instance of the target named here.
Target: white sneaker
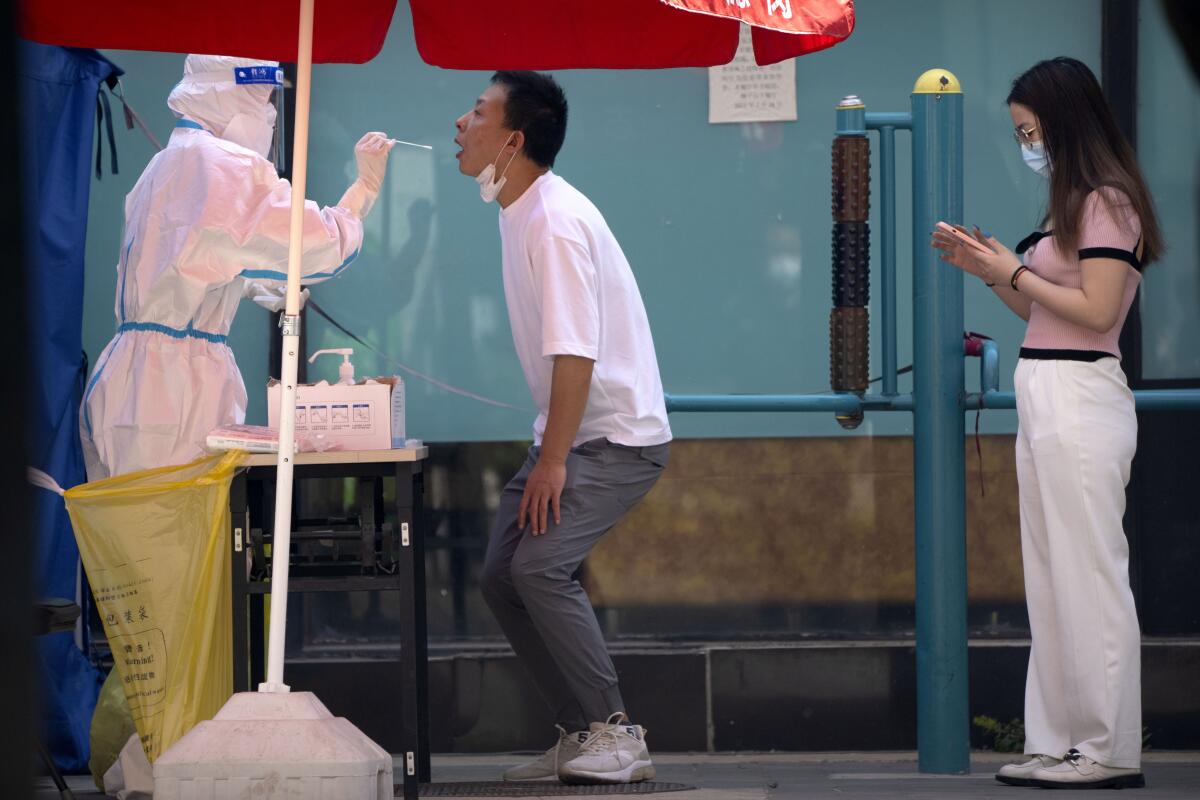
(1077, 771)
(612, 753)
(547, 765)
(1020, 774)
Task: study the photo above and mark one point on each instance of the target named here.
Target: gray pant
(531, 582)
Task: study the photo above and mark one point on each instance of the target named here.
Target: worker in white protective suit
(206, 224)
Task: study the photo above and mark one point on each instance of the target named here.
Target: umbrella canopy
(347, 31)
(782, 29)
(465, 34)
(621, 34)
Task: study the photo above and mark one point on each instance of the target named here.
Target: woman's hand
(991, 269)
(995, 269)
(998, 267)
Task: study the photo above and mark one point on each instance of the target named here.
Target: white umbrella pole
(291, 356)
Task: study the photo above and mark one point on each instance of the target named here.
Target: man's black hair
(535, 105)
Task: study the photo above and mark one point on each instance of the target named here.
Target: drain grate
(541, 789)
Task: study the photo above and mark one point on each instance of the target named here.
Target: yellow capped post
(937, 81)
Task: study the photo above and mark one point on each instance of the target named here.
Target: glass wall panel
(1169, 153)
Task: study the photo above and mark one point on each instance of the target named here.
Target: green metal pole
(938, 431)
(887, 252)
(887, 123)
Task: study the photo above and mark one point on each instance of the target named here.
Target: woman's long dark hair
(1087, 151)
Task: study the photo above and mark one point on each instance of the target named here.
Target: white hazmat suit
(206, 221)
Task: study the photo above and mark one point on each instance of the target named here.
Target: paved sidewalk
(825, 776)
(808, 776)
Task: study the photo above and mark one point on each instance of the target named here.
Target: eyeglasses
(1024, 136)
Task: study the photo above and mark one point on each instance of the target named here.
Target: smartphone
(967, 239)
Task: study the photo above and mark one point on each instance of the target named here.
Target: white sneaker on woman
(1021, 774)
(1077, 771)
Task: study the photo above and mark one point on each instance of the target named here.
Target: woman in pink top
(1073, 281)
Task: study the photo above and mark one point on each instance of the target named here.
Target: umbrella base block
(274, 745)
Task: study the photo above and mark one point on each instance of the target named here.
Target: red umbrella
(455, 34)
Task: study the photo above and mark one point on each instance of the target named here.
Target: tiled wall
(800, 521)
(765, 538)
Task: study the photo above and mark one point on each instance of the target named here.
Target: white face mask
(489, 191)
(253, 131)
(1034, 155)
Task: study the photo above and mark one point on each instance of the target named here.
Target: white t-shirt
(570, 291)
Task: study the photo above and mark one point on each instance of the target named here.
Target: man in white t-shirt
(600, 438)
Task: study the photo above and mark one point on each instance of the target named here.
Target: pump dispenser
(345, 369)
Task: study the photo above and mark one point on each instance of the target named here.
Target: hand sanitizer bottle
(345, 369)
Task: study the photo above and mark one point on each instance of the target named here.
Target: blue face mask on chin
(1034, 155)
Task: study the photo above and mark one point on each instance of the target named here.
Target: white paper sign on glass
(742, 91)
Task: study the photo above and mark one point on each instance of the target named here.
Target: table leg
(420, 523)
(239, 524)
(413, 687)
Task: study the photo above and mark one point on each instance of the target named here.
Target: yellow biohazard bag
(154, 544)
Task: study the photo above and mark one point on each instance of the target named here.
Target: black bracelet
(1016, 274)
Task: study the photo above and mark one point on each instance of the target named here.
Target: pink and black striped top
(1110, 229)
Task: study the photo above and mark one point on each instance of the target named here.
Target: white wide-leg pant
(1076, 439)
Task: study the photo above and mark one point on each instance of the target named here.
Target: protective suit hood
(210, 93)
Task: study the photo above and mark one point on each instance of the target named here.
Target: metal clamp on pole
(290, 325)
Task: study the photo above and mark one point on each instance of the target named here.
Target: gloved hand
(271, 296)
(371, 155)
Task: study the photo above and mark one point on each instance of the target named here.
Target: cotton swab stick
(410, 144)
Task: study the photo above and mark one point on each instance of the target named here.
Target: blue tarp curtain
(59, 91)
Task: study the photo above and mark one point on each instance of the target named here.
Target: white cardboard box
(366, 416)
